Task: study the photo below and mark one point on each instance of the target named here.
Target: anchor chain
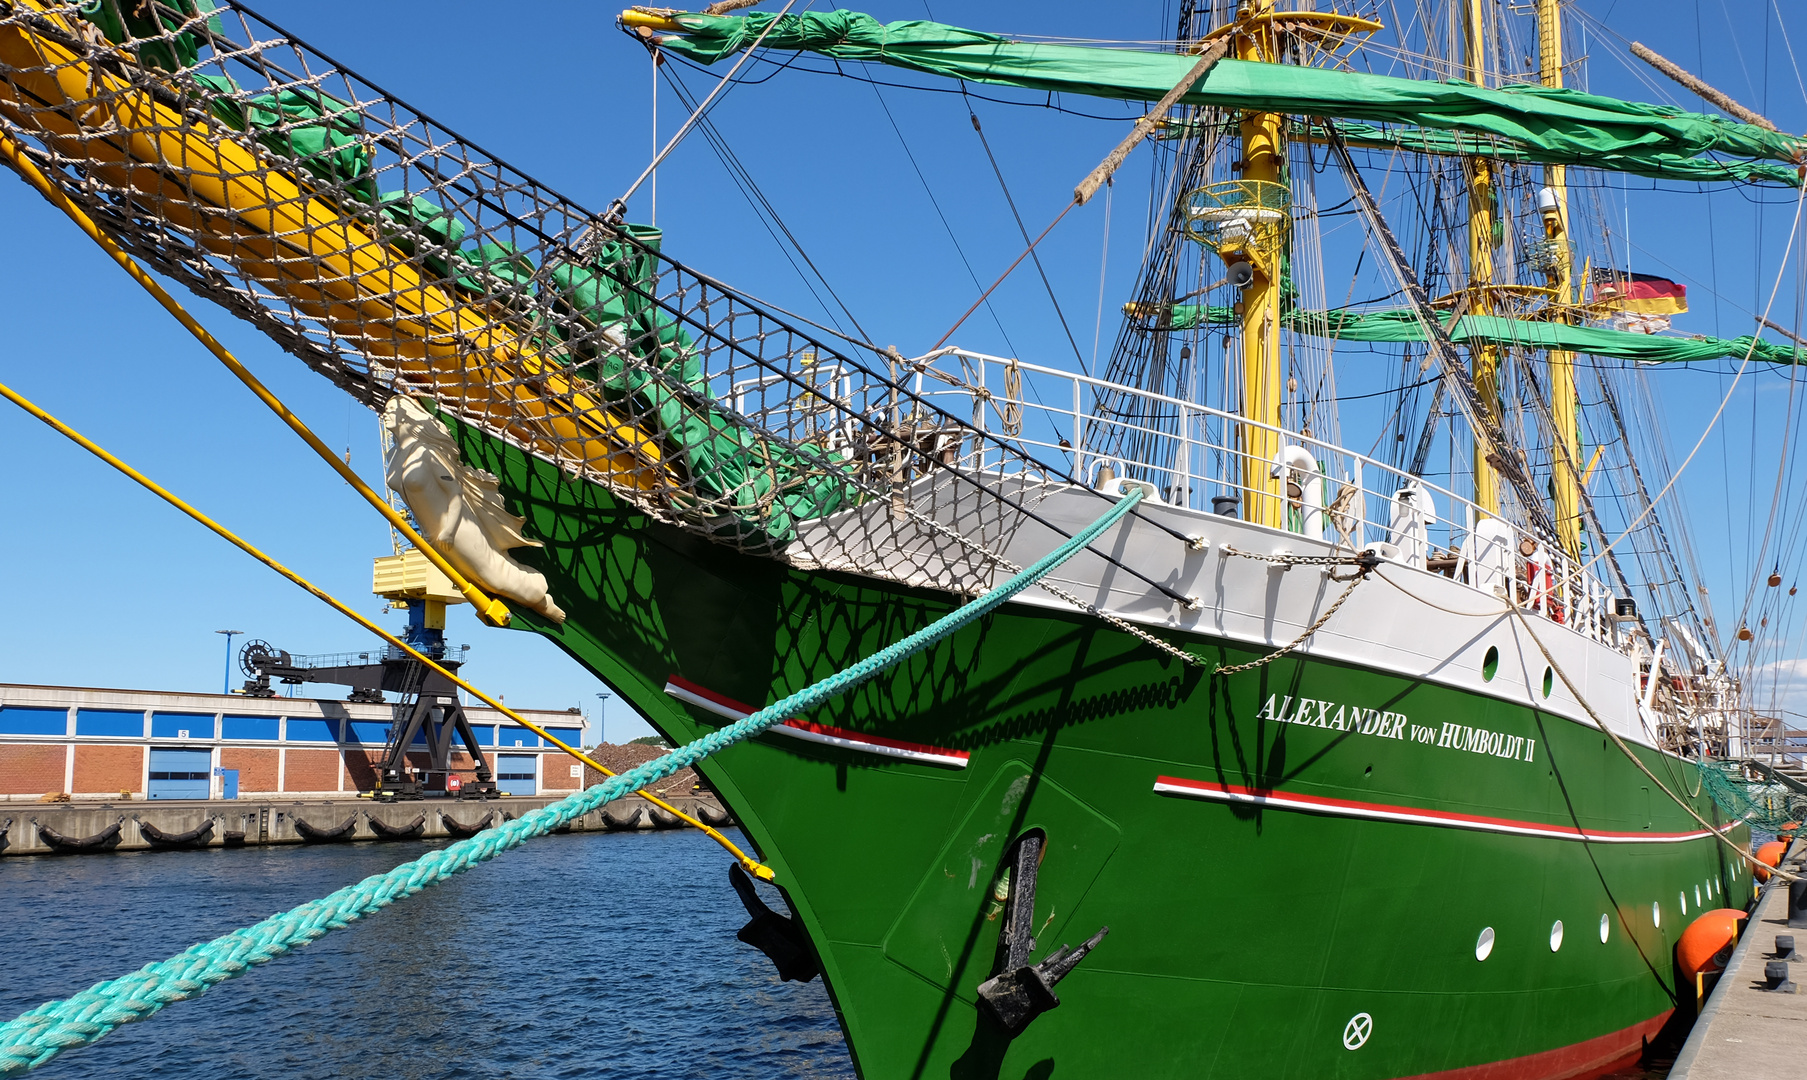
(1365, 563)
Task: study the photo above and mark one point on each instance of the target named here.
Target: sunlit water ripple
(580, 955)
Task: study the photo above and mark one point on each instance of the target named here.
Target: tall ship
(1354, 753)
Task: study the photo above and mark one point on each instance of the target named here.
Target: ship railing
(395, 257)
(1189, 455)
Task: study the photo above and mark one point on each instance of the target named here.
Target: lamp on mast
(226, 683)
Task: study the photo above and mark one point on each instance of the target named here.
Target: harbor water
(598, 954)
(582, 955)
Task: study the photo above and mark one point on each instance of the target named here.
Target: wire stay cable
(489, 609)
(752, 865)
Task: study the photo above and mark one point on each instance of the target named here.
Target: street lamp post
(602, 718)
(226, 683)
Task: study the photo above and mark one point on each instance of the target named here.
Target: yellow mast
(1484, 358)
(1261, 368)
(1553, 204)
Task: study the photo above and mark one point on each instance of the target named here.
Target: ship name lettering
(1481, 741)
(1382, 724)
(1315, 712)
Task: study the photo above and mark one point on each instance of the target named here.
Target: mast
(1553, 205)
(1262, 161)
(1484, 359)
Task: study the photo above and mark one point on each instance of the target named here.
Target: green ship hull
(1296, 876)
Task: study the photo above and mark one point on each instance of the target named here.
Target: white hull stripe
(1317, 804)
(685, 690)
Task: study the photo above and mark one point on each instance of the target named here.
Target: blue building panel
(570, 736)
(367, 731)
(175, 725)
(313, 730)
(486, 734)
(515, 775)
(512, 736)
(110, 723)
(32, 720)
(248, 727)
(180, 774)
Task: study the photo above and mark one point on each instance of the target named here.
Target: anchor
(780, 937)
(1023, 991)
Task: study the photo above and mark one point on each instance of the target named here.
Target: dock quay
(1747, 1031)
(96, 828)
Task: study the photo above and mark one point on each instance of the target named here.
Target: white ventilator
(1487, 554)
(1410, 527)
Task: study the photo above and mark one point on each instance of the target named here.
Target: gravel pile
(621, 758)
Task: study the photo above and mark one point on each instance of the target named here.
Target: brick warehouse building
(97, 743)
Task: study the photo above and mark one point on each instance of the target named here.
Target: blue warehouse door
(514, 774)
(180, 774)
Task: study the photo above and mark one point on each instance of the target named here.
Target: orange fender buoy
(1707, 943)
(1770, 855)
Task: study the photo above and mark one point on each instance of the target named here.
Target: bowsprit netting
(393, 257)
(1765, 805)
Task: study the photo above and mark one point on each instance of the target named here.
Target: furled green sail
(754, 485)
(1534, 123)
(1402, 325)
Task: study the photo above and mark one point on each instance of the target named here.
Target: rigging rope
(1600, 723)
(40, 1034)
(1024, 230)
(618, 208)
(1650, 507)
(490, 610)
(1718, 835)
(750, 864)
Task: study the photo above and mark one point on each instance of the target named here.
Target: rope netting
(1766, 805)
(40, 1034)
(392, 256)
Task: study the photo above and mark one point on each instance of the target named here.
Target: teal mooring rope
(46, 1031)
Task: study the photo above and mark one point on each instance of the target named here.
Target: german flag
(1645, 294)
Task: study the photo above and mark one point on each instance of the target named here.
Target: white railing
(1189, 453)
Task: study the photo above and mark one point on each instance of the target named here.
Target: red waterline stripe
(1318, 804)
(702, 697)
(1579, 1061)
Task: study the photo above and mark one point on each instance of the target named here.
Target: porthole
(1656, 913)
(1682, 899)
(1549, 681)
(1697, 896)
(1490, 664)
(1605, 929)
(1483, 946)
(1556, 935)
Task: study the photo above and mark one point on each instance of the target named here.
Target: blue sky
(108, 587)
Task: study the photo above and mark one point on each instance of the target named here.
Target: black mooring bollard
(1797, 903)
(1785, 947)
(1775, 977)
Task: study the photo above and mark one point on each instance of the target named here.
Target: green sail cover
(756, 484)
(1402, 325)
(323, 134)
(1553, 126)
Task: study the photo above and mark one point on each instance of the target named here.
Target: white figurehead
(459, 510)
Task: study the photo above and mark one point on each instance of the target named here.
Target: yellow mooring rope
(752, 866)
(490, 610)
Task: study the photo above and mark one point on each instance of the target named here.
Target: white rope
(1650, 508)
(621, 203)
